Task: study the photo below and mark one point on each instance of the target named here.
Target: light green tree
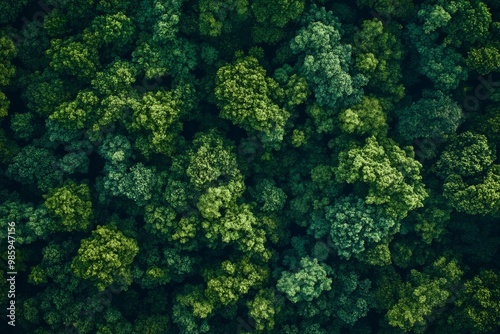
(307, 283)
(71, 206)
(105, 258)
(391, 174)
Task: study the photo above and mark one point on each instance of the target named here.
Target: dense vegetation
(233, 166)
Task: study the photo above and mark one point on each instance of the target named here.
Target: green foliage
(433, 116)
(176, 59)
(481, 198)
(217, 166)
(217, 17)
(135, 183)
(430, 222)
(238, 225)
(116, 78)
(22, 125)
(75, 114)
(35, 166)
(162, 220)
(10, 9)
(157, 115)
(355, 225)
(31, 223)
(378, 56)
(468, 154)
(365, 118)
(8, 148)
(478, 306)
(155, 324)
(112, 30)
(73, 58)
(231, 280)
(248, 98)
(105, 258)
(350, 295)
(470, 23)
(391, 174)
(211, 161)
(269, 196)
(307, 283)
(442, 64)
(484, 60)
(271, 17)
(422, 294)
(279, 13)
(71, 205)
(262, 310)
(388, 7)
(7, 70)
(471, 178)
(296, 90)
(46, 92)
(325, 62)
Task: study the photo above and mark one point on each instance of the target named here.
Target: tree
(378, 54)
(478, 306)
(8, 148)
(156, 266)
(468, 154)
(237, 166)
(211, 162)
(191, 310)
(422, 294)
(233, 279)
(105, 258)
(73, 58)
(45, 92)
(272, 17)
(484, 60)
(433, 116)
(262, 310)
(295, 87)
(218, 17)
(240, 226)
(156, 59)
(325, 63)
(481, 197)
(389, 8)
(71, 205)
(350, 297)
(390, 173)
(11, 9)
(32, 223)
(113, 30)
(135, 182)
(154, 324)
(430, 222)
(157, 115)
(307, 283)
(248, 98)
(163, 220)
(271, 197)
(446, 73)
(78, 113)
(34, 166)
(470, 21)
(365, 118)
(353, 226)
(115, 78)
(23, 125)
(7, 70)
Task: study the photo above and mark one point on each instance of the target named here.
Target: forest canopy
(250, 166)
